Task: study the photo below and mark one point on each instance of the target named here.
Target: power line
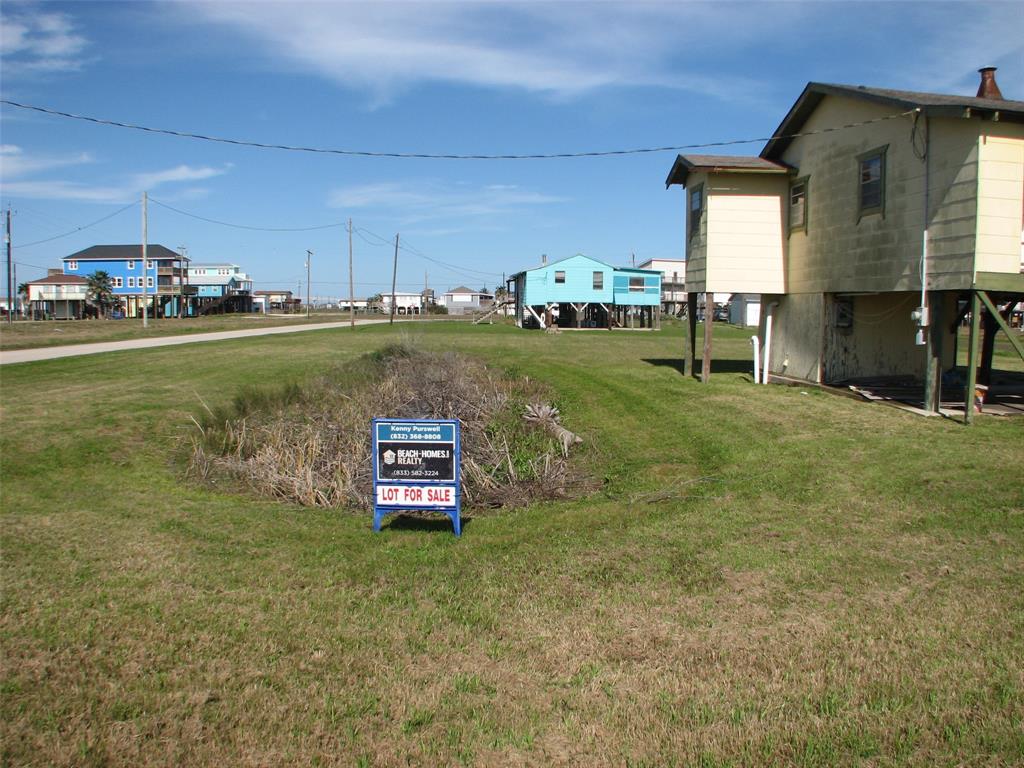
(465, 271)
(77, 229)
(432, 156)
(245, 226)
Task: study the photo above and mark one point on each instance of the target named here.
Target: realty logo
(389, 457)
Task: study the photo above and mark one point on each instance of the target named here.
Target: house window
(696, 208)
(871, 183)
(798, 204)
(560, 277)
(149, 264)
(636, 285)
(117, 282)
(131, 280)
(131, 264)
(149, 282)
(72, 265)
(598, 281)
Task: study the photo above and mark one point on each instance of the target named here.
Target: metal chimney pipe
(987, 88)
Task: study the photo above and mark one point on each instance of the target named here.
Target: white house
(58, 296)
(406, 302)
(673, 282)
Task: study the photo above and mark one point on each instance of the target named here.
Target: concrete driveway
(72, 350)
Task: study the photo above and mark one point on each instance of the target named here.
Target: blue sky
(486, 77)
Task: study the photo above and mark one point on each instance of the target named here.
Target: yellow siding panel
(745, 243)
(1000, 198)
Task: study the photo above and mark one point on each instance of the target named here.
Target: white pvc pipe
(767, 342)
(757, 358)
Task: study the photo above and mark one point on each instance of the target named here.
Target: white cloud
(559, 49)
(33, 40)
(178, 173)
(567, 49)
(433, 200)
(15, 163)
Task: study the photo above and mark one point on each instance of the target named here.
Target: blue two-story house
(581, 292)
(159, 284)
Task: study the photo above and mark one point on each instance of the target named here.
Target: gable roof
(935, 104)
(553, 263)
(687, 164)
(123, 253)
(462, 289)
(59, 280)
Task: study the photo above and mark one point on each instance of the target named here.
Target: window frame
(149, 282)
(694, 219)
(131, 264)
(598, 280)
(131, 281)
(805, 182)
(117, 282)
(637, 288)
(73, 266)
(559, 277)
(871, 210)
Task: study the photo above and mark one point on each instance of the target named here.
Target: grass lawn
(768, 575)
(52, 333)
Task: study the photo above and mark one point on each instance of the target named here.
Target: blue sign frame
(427, 487)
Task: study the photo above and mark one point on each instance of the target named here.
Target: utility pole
(351, 286)
(423, 300)
(10, 277)
(145, 278)
(394, 276)
(309, 258)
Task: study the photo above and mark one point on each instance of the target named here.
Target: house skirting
(827, 338)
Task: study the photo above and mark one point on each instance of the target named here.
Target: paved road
(71, 350)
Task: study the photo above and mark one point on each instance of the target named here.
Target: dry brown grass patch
(309, 443)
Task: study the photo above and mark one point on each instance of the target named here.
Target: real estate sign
(416, 467)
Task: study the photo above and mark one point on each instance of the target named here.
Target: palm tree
(101, 290)
(23, 296)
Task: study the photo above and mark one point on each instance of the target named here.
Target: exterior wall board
(882, 252)
(118, 268)
(744, 233)
(541, 287)
(796, 333)
(650, 296)
(696, 246)
(1000, 199)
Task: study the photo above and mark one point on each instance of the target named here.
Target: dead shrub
(310, 443)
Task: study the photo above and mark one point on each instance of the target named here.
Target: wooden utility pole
(423, 298)
(145, 272)
(351, 285)
(709, 320)
(10, 262)
(309, 258)
(394, 276)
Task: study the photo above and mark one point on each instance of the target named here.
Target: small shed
(745, 309)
